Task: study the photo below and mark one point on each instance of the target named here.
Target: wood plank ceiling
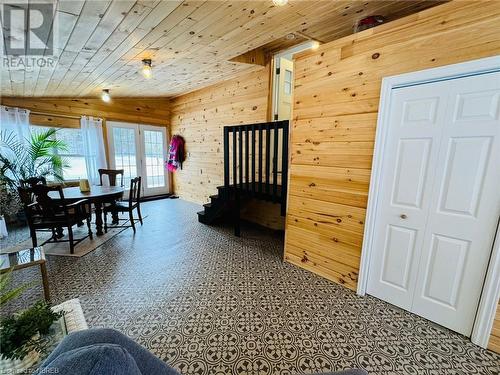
(100, 43)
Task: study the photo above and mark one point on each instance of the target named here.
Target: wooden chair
(44, 213)
(129, 205)
(32, 181)
(112, 175)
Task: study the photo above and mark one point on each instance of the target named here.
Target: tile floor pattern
(210, 303)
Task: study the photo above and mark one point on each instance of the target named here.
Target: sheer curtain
(93, 147)
(15, 120)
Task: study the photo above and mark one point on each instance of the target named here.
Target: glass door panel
(140, 150)
(125, 151)
(154, 147)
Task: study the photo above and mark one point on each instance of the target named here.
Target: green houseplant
(20, 333)
(20, 338)
(37, 156)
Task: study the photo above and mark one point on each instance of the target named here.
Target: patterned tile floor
(210, 303)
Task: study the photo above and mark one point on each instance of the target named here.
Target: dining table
(98, 195)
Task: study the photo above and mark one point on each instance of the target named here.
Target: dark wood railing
(256, 162)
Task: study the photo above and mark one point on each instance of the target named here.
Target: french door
(439, 199)
(140, 150)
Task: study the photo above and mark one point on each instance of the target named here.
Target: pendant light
(105, 96)
(146, 70)
(280, 3)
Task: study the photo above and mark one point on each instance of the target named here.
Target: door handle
(403, 216)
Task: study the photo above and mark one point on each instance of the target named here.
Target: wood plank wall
(494, 343)
(200, 117)
(335, 111)
(154, 111)
(65, 112)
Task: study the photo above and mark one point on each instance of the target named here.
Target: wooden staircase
(255, 167)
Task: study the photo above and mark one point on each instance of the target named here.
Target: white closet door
(440, 199)
(411, 151)
(465, 206)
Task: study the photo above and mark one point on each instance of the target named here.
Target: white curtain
(15, 120)
(93, 147)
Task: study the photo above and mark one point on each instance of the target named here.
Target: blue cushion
(97, 359)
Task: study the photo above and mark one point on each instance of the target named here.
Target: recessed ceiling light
(105, 96)
(280, 3)
(290, 36)
(146, 70)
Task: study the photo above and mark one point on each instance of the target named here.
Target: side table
(20, 259)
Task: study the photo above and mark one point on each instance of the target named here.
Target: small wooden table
(20, 259)
(98, 195)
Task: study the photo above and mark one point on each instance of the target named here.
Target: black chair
(129, 205)
(32, 181)
(44, 213)
(112, 175)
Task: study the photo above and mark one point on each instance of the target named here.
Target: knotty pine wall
(494, 343)
(200, 117)
(65, 112)
(337, 90)
(153, 111)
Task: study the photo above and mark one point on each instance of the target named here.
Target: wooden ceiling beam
(257, 56)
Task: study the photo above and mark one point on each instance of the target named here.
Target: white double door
(439, 201)
(140, 150)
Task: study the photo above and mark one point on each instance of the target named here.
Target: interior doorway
(283, 78)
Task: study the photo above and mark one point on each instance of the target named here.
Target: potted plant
(21, 334)
(10, 204)
(37, 156)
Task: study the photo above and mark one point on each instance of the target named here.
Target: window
(288, 82)
(74, 155)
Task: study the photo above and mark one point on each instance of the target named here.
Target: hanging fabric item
(15, 121)
(93, 147)
(175, 153)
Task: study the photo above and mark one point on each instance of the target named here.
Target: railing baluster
(240, 147)
(275, 163)
(234, 157)
(268, 156)
(260, 159)
(284, 169)
(253, 159)
(226, 158)
(247, 167)
(236, 190)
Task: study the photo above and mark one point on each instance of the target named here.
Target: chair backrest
(45, 206)
(32, 181)
(134, 194)
(112, 174)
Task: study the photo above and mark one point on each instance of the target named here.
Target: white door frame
(276, 64)
(139, 147)
(491, 289)
(163, 130)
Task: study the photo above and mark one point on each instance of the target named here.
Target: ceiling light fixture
(146, 70)
(105, 96)
(315, 45)
(280, 3)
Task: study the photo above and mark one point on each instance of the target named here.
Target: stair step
(202, 217)
(208, 205)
